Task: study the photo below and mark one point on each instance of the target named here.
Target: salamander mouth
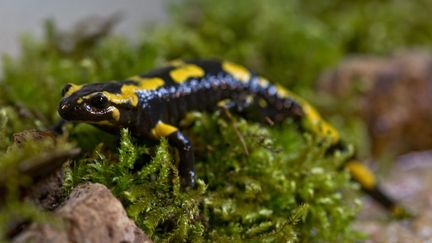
(83, 112)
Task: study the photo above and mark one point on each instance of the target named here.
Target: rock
(32, 135)
(393, 95)
(43, 173)
(409, 182)
(91, 214)
(47, 192)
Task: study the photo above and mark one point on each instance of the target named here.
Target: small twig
(239, 135)
(269, 121)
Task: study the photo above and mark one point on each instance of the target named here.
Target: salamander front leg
(187, 159)
(58, 127)
(184, 147)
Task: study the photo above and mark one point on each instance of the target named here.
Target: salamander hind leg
(181, 142)
(368, 183)
(187, 159)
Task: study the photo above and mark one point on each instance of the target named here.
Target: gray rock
(91, 214)
(409, 182)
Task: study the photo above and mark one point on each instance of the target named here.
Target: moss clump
(280, 190)
(283, 190)
(151, 194)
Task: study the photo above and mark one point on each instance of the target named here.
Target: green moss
(14, 179)
(245, 32)
(35, 80)
(278, 185)
(151, 194)
(283, 188)
(277, 188)
(392, 25)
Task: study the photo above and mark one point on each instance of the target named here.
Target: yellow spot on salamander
(128, 92)
(74, 88)
(115, 114)
(312, 120)
(237, 71)
(147, 83)
(127, 95)
(162, 130)
(361, 174)
(282, 91)
(184, 72)
(317, 125)
(263, 82)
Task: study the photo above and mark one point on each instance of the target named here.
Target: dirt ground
(409, 181)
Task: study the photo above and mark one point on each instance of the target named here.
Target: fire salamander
(151, 106)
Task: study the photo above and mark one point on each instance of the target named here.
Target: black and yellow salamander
(151, 106)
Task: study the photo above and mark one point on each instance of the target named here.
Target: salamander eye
(65, 89)
(99, 101)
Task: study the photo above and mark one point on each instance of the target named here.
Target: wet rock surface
(410, 182)
(91, 214)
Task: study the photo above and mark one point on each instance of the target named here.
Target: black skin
(187, 158)
(170, 102)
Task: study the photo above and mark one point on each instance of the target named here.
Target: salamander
(151, 106)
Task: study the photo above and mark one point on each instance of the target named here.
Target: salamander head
(97, 103)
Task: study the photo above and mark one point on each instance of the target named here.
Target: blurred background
(366, 65)
(327, 51)
(27, 16)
